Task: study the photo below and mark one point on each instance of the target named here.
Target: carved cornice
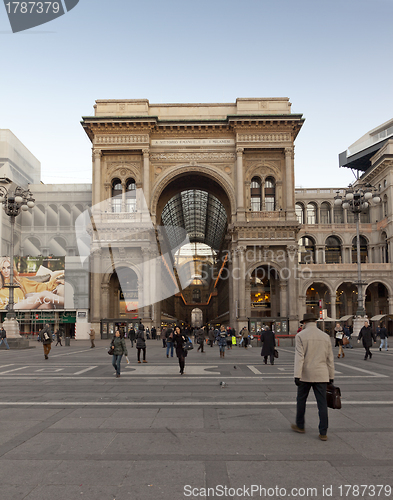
(192, 156)
(273, 137)
(122, 139)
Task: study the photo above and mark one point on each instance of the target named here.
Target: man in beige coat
(314, 367)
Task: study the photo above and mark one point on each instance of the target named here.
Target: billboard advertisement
(40, 283)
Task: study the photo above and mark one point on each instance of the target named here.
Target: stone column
(146, 283)
(240, 185)
(95, 298)
(390, 302)
(320, 254)
(293, 289)
(146, 177)
(234, 284)
(242, 285)
(289, 181)
(105, 300)
(283, 299)
(96, 176)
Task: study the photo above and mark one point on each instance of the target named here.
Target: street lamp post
(357, 199)
(14, 199)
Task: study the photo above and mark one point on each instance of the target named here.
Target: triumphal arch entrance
(193, 216)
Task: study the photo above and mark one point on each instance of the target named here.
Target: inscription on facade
(193, 142)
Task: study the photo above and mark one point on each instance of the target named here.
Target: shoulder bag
(188, 345)
(333, 397)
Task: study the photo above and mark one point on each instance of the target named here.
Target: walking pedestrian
(3, 338)
(141, 346)
(268, 340)
(200, 338)
(245, 334)
(314, 367)
(367, 335)
(180, 339)
(163, 337)
(383, 335)
(222, 342)
(46, 339)
(119, 348)
(211, 336)
(338, 333)
(58, 338)
(153, 332)
(147, 333)
(229, 338)
(92, 335)
(347, 333)
(131, 336)
(169, 342)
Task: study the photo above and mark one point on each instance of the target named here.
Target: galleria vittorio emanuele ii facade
(193, 217)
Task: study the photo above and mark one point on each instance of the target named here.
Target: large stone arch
(306, 284)
(205, 170)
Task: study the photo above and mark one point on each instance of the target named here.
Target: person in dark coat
(58, 337)
(46, 339)
(141, 346)
(119, 348)
(131, 335)
(3, 338)
(383, 335)
(367, 335)
(269, 343)
(180, 339)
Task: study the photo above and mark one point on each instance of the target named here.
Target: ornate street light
(357, 199)
(14, 199)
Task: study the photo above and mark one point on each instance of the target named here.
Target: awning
(378, 317)
(328, 319)
(346, 318)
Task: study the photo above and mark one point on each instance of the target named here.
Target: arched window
(256, 194)
(116, 195)
(325, 213)
(130, 195)
(196, 295)
(363, 250)
(339, 214)
(385, 248)
(299, 209)
(385, 206)
(311, 213)
(306, 250)
(270, 194)
(332, 250)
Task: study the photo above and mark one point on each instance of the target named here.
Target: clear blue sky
(332, 59)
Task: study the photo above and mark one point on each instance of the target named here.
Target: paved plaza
(71, 430)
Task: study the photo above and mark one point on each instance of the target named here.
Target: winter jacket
(119, 346)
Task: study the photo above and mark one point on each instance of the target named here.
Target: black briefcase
(333, 397)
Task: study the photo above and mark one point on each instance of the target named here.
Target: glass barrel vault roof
(200, 213)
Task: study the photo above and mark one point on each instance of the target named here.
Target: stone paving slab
(143, 452)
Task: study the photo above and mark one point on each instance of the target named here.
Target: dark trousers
(59, 342)
(181, 363)
(271, 359)
(201, 345)
(139, 349)
(368, 353)
(319, 389)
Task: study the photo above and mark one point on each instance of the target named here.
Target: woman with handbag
(180, 340)
(338, 333)
(141, 346)
(119, 348)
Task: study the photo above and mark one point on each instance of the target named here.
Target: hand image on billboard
(35, 289)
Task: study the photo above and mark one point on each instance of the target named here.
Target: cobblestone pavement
(71, 430)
